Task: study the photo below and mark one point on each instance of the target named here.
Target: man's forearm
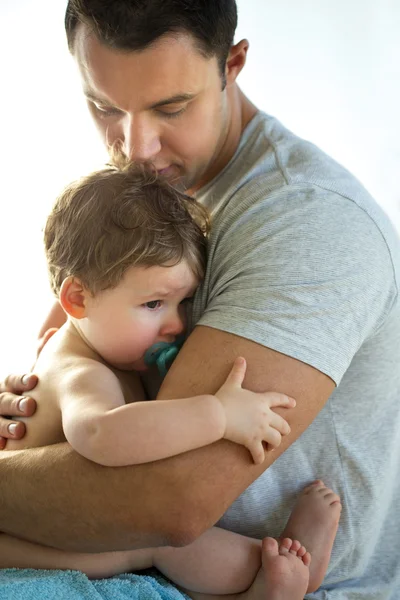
(55, 497)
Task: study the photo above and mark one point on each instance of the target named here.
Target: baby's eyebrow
(151, 295)
(164, 293)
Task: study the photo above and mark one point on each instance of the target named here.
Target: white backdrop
(329, 70)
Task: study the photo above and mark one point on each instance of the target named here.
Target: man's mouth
(164, 171)
(170, 172)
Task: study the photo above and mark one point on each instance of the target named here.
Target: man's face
(165, 105)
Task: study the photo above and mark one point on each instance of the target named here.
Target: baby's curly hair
(119, 217)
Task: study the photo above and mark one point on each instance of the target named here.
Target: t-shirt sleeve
(305, 272)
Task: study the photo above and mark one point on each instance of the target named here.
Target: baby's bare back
(64, 352)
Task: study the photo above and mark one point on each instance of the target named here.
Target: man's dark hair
(135, 24)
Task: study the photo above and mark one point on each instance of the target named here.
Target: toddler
(125, 254)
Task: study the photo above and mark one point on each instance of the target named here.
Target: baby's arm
(101, 427)
(16, 553)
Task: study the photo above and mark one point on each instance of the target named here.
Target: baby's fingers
(238, 372)
(276, 399)
(257, 452)
(273, 437)
(279, 423)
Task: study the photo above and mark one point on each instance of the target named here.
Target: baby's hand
(249, 418)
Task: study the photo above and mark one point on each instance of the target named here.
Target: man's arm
(222, 472)
(56, 497)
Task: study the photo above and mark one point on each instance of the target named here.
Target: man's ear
(73, 297)
(235, 61)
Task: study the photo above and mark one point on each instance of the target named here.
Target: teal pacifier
(163, 355)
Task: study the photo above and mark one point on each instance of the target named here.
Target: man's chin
(175, 177)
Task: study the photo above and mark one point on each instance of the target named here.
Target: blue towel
(32, 584)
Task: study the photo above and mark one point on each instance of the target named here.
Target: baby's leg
(286, 573)
(16, 553)
(283, 576)
(314, 521)
(218, 562)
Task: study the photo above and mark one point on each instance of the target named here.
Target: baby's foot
(314, 521)
(284, 573)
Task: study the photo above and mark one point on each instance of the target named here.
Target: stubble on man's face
(163, 106)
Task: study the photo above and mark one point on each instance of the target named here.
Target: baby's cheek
(133, 345)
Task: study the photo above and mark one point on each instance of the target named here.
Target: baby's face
(147, 307)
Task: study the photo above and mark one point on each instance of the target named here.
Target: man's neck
(247, 109)
(242, 112)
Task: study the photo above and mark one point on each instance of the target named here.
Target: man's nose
(141, 140)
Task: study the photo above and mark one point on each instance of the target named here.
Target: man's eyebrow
(90, 96)
(178, 98)
(173, 100)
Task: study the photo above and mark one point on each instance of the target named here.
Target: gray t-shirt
(303, 261)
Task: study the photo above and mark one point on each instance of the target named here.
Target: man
(302, 280)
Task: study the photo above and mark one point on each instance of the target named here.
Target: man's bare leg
(314, 521)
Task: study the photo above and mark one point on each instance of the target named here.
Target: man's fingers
(11, 429)
(13, 406)
(16, 406)
(275, 399)
(18, 384)
(238, 371)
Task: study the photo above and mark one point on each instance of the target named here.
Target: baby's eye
(153, 304)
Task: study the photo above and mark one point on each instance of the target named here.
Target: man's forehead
(170, 67)
(89, 50)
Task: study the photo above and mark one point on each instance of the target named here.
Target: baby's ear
(73, 297)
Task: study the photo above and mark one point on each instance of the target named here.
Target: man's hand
(15, 403)
(249, 418)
